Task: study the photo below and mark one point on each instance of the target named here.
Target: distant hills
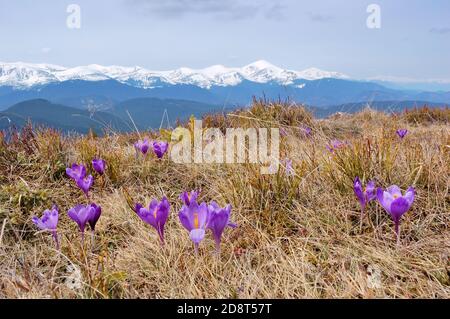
(43, 112)
(148, 113)
(145, 113)
(321, 93)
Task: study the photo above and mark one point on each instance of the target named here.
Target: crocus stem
(82, 239)
(218, 248)
(196, 249)
(161, 238)
(55, 237)
(397, 232)
(92, 239)
(361, 220)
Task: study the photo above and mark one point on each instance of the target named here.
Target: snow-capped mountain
(27, 75)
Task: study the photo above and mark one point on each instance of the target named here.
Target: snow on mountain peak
(23, 75)
(316, 74)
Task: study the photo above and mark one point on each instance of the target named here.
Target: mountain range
(114, 90)
(26, 75)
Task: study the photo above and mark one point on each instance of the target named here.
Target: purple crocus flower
(81, 214)
(99, 165)
(364, 196)
(142, 146)
(306, 130)
(48, 221)
(160, 148)
(396, 204)
(188, 197)
(94, 216)
(218, 219)
(76, 171)
(156, 215)
(85, 184)
(335, 145)
(288, 165)
(195, 219)
(402, 133)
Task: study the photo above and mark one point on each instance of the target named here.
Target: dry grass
(298, 237)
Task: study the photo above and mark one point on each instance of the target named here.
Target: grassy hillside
(298, 236)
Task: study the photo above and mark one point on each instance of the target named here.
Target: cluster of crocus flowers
(392, 200)
(155, 215)
(402, 133)
(90, 213)
(159, 147)
(78, 173)
(198, 218)
(194, 217)
(49, 222)
(85, 214)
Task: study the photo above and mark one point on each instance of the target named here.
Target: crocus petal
(385, 199)
(197, 235)
(398, 207)
(232, 225)
(85, 183)
(188, 197)
(402, 133)
(219, 221)
(52, 218)
(137, 207)
(163, 212)
(76, 171)
(395, 191)
(357, 188)
(142, 146)
(410, 195)
(147, 216)
(160, 148)
(38, 223)
(202, 215)
(213, 206)
(183, 215)
(94, 215)
(99, 165)
(370, 191)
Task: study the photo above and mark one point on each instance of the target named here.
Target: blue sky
(413, 41)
